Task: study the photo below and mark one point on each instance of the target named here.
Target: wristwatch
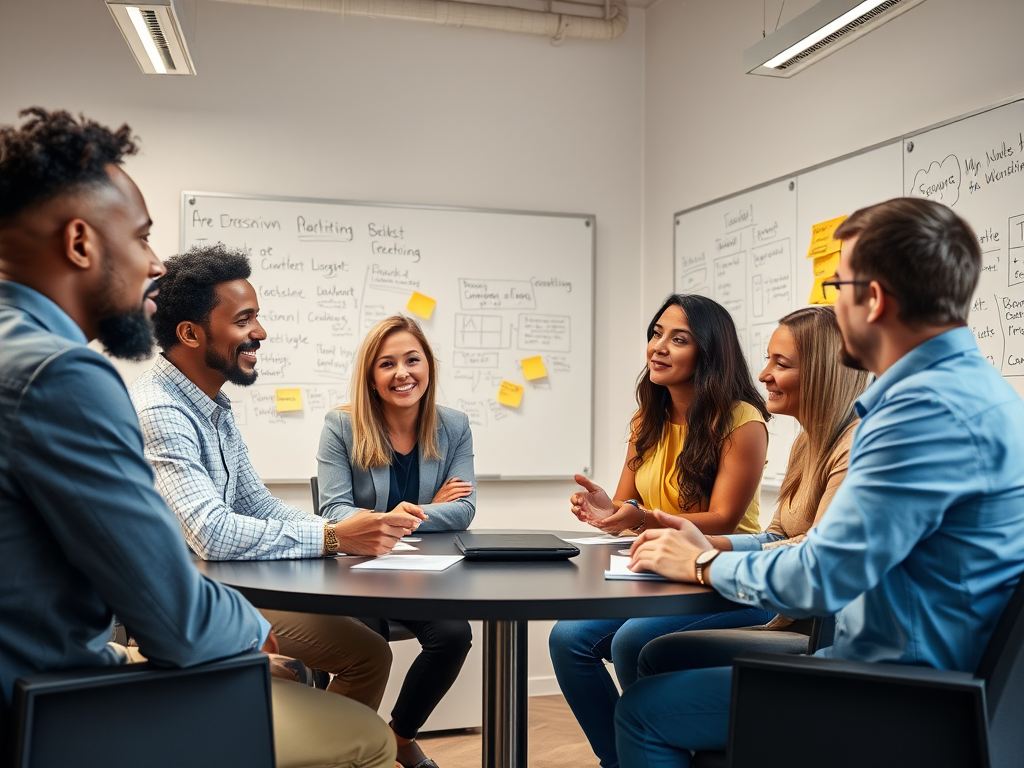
(331, 543)
(702, 563)
(643, 520)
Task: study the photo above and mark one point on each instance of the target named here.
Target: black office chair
(392, 631)
(208, 716)
(806, 712)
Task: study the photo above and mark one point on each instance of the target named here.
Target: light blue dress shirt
(924, 541)
(203, 471)
(83, 533)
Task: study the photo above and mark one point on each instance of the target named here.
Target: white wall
(711, 130)
(305, 104)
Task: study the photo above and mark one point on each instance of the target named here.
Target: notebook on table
(514, 546)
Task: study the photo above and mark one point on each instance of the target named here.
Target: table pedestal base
(505, 705)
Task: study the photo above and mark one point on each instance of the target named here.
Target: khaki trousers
(358, 657)
(315, 729)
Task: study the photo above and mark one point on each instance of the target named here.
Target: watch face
(706, 556)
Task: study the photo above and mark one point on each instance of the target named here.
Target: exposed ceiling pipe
(557, 26)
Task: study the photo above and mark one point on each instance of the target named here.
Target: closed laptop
(514, 546)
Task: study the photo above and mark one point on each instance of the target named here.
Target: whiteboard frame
(589, 218)
(832, 161)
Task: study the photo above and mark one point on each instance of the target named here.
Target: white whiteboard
(975, 164)
(508, 286)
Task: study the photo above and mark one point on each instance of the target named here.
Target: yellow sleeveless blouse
(656, 477)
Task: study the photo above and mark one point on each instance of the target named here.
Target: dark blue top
(405, 478)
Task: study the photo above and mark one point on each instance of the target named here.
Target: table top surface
(571, 589)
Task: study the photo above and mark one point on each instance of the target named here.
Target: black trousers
(444, 646)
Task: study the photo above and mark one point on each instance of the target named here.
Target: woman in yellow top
(697, 449)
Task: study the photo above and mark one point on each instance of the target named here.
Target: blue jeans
(661, 718)
(579, 648)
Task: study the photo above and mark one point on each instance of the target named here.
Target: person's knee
(630, 711)
(380, 747)
(451, 638)
(378, 653)
(568, 640)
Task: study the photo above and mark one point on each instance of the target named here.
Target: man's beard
(232, 371)
(127, 335)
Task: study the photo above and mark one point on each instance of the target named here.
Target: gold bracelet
(331, 543)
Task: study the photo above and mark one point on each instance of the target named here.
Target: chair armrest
(850, 713)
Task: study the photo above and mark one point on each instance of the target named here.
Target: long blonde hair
(371, 444)
(828, 390)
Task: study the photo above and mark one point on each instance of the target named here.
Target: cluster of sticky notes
(824, 249)
(421, 304)
(286, 400)
(511, 394)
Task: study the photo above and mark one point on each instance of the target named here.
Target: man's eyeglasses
(834, 284)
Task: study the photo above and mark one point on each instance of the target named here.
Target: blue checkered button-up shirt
(203, 471)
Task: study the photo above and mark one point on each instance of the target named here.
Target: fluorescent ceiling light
(818, 32)
(147, 39)
(154, 35)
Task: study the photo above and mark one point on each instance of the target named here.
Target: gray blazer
(345, 489)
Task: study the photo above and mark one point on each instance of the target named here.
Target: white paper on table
(409, 563)
(606, 539)
(618, 568)
(401, 546)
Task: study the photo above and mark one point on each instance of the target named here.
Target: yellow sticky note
(421, 305)
(533, 368)
(826, 266)
(510, 394)
(822, 242)
(820, 294)
(287, 400)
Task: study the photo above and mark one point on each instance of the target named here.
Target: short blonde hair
(371, 444)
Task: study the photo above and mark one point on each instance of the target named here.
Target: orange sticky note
(286, 400)
(533, 368)
(822, 242)
(826, 266)
(510, 394)
(421, 305)
(820, 294)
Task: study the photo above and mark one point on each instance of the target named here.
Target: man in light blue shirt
(83, 533)
(208, 328)
(923, 543)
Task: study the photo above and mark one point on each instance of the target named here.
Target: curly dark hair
(188, 289)
(721, 380)
(53, 154)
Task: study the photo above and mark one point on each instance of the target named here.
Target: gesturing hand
(591, 505)
(669, 551)
(375, 533)
(452, 490)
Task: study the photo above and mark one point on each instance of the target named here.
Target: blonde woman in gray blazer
(394, 451)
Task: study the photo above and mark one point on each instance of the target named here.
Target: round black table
(505, 595)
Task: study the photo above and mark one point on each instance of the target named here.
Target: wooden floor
(555, 740)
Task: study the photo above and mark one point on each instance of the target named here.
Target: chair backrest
(214, 714)
(314, 486)
(1002, 669)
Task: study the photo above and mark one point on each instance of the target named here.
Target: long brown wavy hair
(828, 391)
(721, 379)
